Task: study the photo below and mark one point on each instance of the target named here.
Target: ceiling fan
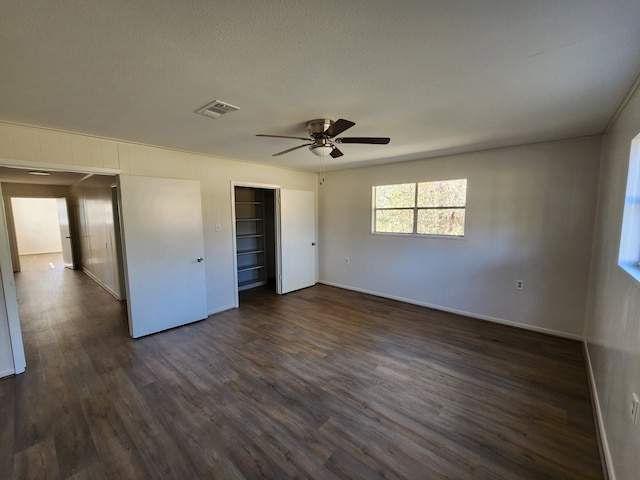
(322, 132)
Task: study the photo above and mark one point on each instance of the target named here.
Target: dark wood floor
(320, 383)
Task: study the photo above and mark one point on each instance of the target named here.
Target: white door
(297, 240)
(161, 223)
(65, 233)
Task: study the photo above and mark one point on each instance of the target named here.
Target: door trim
(57, 167)
(10, 295)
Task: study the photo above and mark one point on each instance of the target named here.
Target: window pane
(395, 196)
(394, 221)
(448, 221)
(448, 193)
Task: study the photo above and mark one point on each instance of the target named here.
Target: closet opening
(255, 236)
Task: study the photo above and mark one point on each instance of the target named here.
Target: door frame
(264, 186)
(118, 240)
(11, 227)
(10, 294)
(6, 265)
(63, 203)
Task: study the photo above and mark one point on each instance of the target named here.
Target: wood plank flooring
(319, 384)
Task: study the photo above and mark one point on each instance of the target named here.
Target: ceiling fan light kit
(321, 135)
(321, 150)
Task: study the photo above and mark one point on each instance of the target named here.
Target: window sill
(419, 235)
(632, 270)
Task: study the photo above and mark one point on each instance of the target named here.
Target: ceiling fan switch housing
(318, 126)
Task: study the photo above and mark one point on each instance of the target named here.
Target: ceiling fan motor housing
(318, 126)
(321, 145)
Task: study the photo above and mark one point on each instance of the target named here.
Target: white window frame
(415, 209)
(629, 253)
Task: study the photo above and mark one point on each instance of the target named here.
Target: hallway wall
(93, 212)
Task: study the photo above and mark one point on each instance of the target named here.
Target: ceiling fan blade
(281, 136)
(337, 127)
(291, 149)
(335, 153)
(371, 140)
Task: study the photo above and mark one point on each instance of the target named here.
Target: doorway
(74, 193)
(41, 228)
(255, 237)
(275, 238)
(69, 214)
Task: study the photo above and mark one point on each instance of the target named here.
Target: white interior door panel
(163, 246)
(297, 240)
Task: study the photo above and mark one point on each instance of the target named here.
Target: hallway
(69, 326)
(57, 308)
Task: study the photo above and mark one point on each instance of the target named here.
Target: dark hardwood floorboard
(317, 384)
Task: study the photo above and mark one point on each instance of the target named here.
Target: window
(425, 208)
(629, 254)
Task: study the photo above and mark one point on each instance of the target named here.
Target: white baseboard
(7, 373)
(99, 282)
(222, 309)
(534, 328)
(605, 453)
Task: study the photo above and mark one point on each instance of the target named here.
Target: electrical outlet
(520, 284)
(635, 405)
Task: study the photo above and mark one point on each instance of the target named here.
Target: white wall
(529, 217)
(12, 190)
(93, 212)
(215, 174)
(612, 329)
(37, 226)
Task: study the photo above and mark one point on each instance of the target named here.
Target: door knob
(313, 244)
(200, 259)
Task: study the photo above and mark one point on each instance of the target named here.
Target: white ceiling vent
(216, 108)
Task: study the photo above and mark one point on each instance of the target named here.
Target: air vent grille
(216, 108)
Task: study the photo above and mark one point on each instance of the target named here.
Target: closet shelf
(252, 235)
(247, 284)
(246, 268)
(249, 252)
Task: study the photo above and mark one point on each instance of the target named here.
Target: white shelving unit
(250, 237)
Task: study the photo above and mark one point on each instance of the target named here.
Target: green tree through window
(425, 208)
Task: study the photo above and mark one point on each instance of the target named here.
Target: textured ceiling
(437, 77)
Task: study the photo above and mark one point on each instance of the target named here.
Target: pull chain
(322, 169)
